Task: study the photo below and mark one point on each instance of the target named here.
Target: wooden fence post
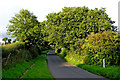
(7, 58)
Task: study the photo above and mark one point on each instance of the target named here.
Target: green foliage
(5, 39)
(24, 27)
(64, 52)
(70, 29)
(40, 69)
(101, 46)
(22, 24)
(74, 23)
(111, 72)
(18, 70)
(19, 57)
(14, 40)
(18, 54)
(11, 48)
(34, 52)
(45, 52)
(9, 40)
(96, 47)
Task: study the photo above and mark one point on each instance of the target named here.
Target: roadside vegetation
(27, 48)
(86, 36)
(93, 50)
(79, 34)
(40, 69)
(16, 65)
(15, 53)
(16, 71)
(45, 52)
(111, 72)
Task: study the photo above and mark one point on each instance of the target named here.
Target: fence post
(7, 59)
(104, 63)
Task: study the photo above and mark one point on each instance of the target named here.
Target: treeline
(7, 41)
(84, 34)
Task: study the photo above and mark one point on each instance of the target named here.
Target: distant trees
(14, 40)
(6, 40)
(9, 40)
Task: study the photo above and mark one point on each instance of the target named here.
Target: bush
(101, 46)
(64, 52)
(57, 50)
(34, 52)
(20, 57)
(11, 48)
(18, 54)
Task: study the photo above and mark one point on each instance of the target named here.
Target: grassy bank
(111, 72)
(17, 71)
(15, 53)
(39, 69)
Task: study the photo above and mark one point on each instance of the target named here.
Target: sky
(40, 8)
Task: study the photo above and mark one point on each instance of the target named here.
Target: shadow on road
(61, 69)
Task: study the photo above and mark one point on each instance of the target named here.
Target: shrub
(101, 46)
(34, 52)
(20, 57)
(18, 54)
(64, 52)
(11, 48)
(57, 50)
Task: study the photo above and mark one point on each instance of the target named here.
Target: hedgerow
(15, 53)
(12, 48)
(95, 48)
(103, 45)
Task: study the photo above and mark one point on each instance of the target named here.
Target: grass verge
(111, 72)
(17, 71)
(40, 69)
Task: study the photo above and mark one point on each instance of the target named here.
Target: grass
(40, 69)
(21, 56)
(17, 71)
(111, 72)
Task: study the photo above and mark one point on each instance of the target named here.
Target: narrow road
(61, 69)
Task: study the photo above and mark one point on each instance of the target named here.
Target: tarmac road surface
(62, 70)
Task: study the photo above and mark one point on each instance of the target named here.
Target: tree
(9, 40)
(5, 40)
(14, 40)
(70, 25)
(99, 46)
(22, 26)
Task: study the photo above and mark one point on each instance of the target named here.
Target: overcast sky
(41, 8)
